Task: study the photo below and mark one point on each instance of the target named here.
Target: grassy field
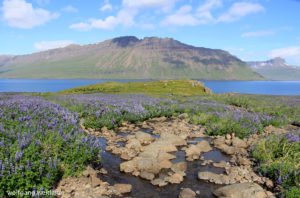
(57, 142)
(155, 88)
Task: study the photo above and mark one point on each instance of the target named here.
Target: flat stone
(244, 190)
(187, 193)
(159, 182)
(123, 188)
(176, 178)
(179, 167)
(147, 176)
(143, 138)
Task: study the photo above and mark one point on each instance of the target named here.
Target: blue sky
(249, 29)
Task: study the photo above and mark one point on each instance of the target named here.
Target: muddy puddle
(143, 188)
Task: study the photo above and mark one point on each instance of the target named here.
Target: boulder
(187, 193)
(123, 188)
(193, 151)
(244, 190)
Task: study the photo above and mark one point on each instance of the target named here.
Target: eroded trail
(160, 157)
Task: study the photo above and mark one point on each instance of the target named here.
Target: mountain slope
(276, 69)
(129, 58)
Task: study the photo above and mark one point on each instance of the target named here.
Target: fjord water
(47, 85)
(247, 87)
(255, 87)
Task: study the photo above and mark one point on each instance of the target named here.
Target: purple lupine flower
(279, 180)
(28, 165)
(292, 137)
(37, 143)
(19, 155)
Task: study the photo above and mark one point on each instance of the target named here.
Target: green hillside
(280, 73)
(164, 87)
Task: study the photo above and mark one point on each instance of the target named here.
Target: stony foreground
(150, 151)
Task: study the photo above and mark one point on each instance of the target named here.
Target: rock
(269, 183)
(244, 190)
(243, 161)
(165, 156)
(193, 151)
(143, 138)
(87, 185)
(159, 182)
(176, 178)
(95, 181)
(123, 188)
(103, 171)
(221, 164)
(179, 167)
(270, 195)
(134, 144)
(228, 137)
(237, 142)
(165, 164)
(187, 193)
(125, 156)
(229, 150)
(147, 176)
(89, 172)
(213, 177)
(128, 167)
(271, 129)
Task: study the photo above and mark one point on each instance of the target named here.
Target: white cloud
(106, 6)
(164, 4)
(47, 45)
(186, 17)
(257, 33)
(292, 54)
(80, 26)
(182, 17)
(20, 14)
(123, 17)
(239, 10)
(204, 11)
(70, 9)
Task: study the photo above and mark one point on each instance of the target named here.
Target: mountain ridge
(129, 57)
(276, 69)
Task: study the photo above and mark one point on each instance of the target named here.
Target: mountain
(276, 69)
(129, 58)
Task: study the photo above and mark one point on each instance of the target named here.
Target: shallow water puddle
(143, 188)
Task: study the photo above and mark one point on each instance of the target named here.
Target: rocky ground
(151, 150)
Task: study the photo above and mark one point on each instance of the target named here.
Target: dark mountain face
(125, 41)
(129, 57)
